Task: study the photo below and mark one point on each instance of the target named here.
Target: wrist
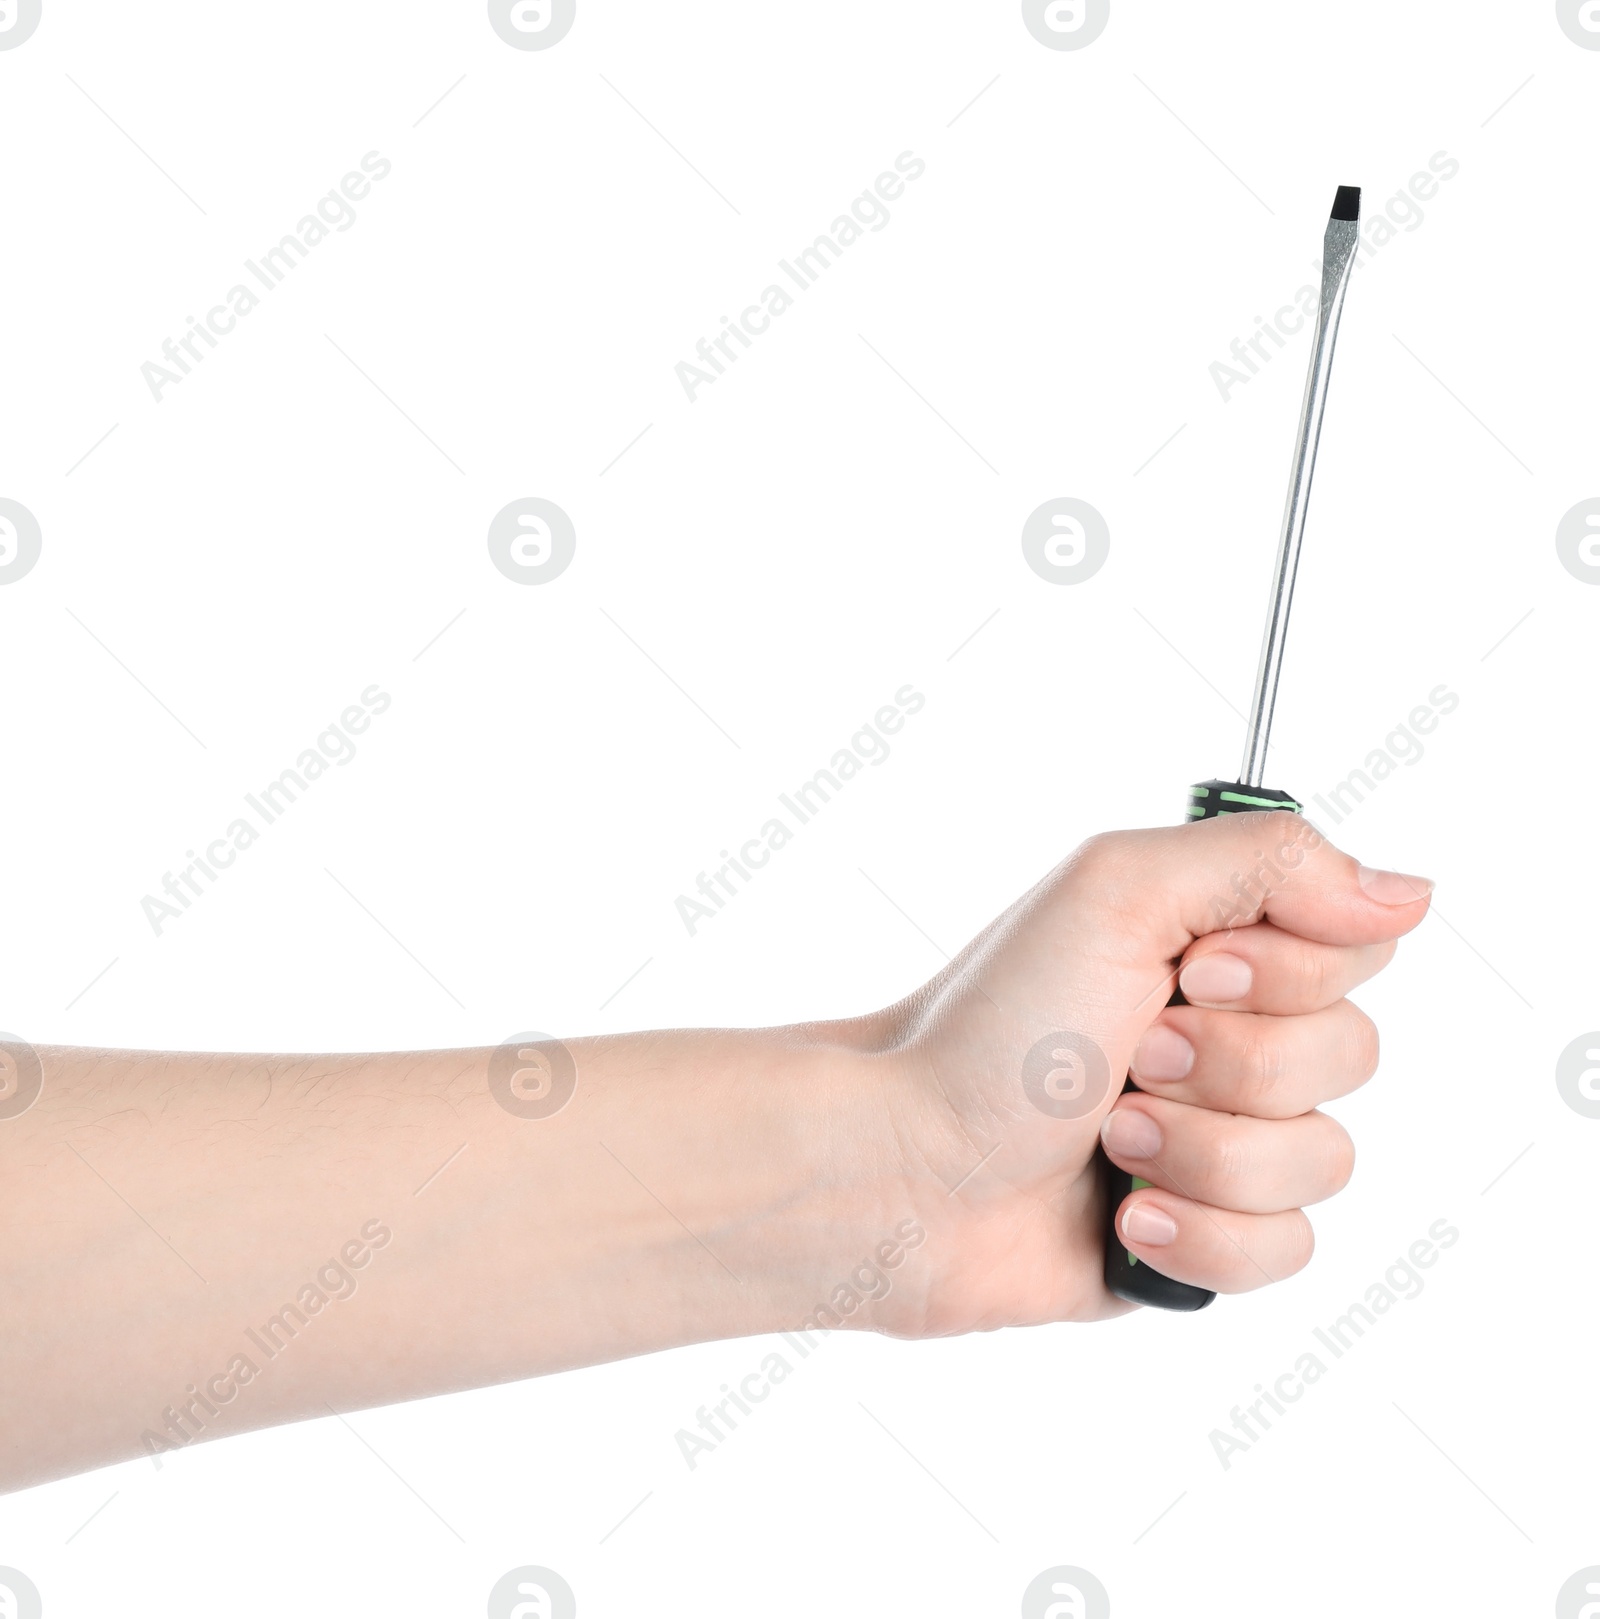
(777, 1166)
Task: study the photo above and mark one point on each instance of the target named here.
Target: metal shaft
(1338, 256)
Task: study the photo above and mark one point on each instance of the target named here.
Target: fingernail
(1163, 1053)
(1216, 978)
(1392, 887)
(1149, 1224)
(1128, 1132)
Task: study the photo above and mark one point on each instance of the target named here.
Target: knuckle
(1291, 838)
(1363, 1045)
(1103, 855)
(1227, 1164)
(1269, 1249)
(1340, 1154)
(1300, 1243)
(1264, 1071)
(1105, 869)
(1314, 971)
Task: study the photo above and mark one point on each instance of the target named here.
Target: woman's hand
(1005, 1072)
(202, 1244)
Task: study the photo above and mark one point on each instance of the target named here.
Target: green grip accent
(1208, 799)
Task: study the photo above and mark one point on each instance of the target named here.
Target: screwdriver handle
(1127, 1277)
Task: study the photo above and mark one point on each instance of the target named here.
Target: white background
(833, 519)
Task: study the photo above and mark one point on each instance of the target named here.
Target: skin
(161, 1208)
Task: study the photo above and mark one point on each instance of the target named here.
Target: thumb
(1228, 872)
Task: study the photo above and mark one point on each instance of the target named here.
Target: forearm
(198, 1245)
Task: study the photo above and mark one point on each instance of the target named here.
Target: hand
(1008, 1067)
(930, 1169)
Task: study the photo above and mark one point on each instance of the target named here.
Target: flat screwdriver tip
(1347, 204)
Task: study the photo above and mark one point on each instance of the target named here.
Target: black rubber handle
(1130, 1278)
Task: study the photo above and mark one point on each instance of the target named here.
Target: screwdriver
(1126, 1276)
